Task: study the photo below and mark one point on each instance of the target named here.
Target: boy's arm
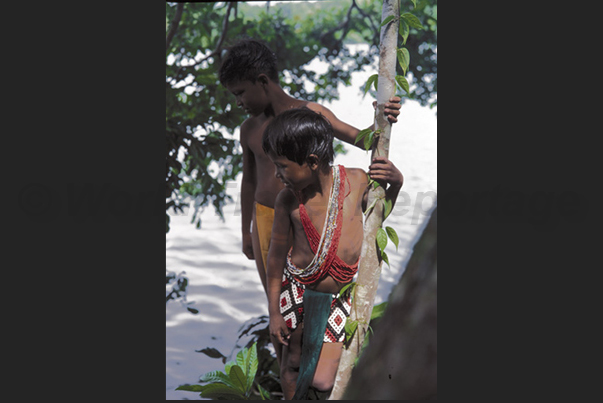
(277, 256)
(385, 172)
(348, 133)
(247, 194)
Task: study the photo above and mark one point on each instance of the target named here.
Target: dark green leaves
(371, 80)
(238, 378)
(387, 20)
(378, 310)
(401, 81)
(403, 58)
(382, 237)
(387, 208)
(211, 352)
(408, 20)
(351, 286)
(368, 136)
(391, 233)
(411, 20)
(350, 329)
(362, 134)
(237, 381)
(403, 31)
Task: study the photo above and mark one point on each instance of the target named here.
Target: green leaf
(378, 310)
(403, 83)
(387, 208)
(211, 352)
(404, 30)
(403, 58)
(350, 328)
(263, 393)
(385, 257)
(240, 358)
(412, 20)
(190, 388)
(372, 182)
(237, 377)
(381, 239)
(218, 391)
(253, 365)
(218, 376)
(387, 20)
(345, 288)
(414, 2)
(368, 141)
(361, 134)
(371, 80)
(393, 236)
(214, 376)
(229, 365)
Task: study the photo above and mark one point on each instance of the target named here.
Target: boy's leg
(291, 357)
(278, 348)
(326, 369)
(257, 250)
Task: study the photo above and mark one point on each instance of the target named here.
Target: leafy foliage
(202, 150)
(236, 383)
(176, 285)
(254, 358)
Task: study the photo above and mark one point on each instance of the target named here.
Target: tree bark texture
(174, 25)
(400, 361)
(369, 270)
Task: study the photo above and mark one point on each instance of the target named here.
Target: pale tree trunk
(370, 264)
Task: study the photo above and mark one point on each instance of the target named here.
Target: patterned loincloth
(292, 309)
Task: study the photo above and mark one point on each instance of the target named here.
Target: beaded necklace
(325, 246)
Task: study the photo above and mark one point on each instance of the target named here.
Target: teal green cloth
(317, 306)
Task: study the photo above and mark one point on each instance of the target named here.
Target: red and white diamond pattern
(290, 320)
(298, 295)
(292, 310)
(337, 320)
(340, 310)
(285, 301)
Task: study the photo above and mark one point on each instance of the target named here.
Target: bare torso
(350, 242)
(267, 185)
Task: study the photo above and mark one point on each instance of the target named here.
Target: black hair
(297, 133)
(247, 59)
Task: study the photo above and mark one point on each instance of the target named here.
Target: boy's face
(293, 175)
(249, 96)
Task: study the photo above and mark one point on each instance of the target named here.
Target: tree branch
(217, 50)
(340, 27)
(344, 26)
(174, 25)
(373, 26)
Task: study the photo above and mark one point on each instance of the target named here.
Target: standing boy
(322, 206)
(249, 72)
